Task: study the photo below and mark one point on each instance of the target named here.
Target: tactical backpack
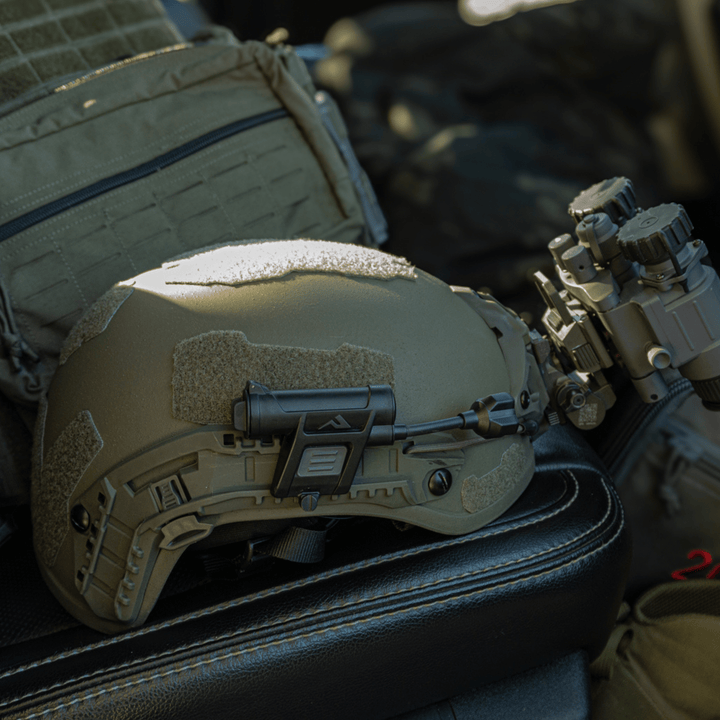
(117, 171)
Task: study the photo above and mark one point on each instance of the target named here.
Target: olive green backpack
(121, 169)
(114, 172)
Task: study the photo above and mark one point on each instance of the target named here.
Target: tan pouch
(661, 662)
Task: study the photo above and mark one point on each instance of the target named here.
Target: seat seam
(313, 613)
(321, 631)
(293, 586)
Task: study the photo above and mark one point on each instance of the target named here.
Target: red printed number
(707, 560)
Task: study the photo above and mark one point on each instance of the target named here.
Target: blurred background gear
(661, 660)
(672, 498)
(188, 16)
(256, 20)
(477, 138)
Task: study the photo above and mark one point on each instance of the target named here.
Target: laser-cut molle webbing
(211, 371)
(41, 40)
(56, 274)
(56, 479)
(238, 263)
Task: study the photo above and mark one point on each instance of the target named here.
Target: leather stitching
(480, 535)
(301, 616)
(341, 626)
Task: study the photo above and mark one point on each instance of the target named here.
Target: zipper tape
(18, 225)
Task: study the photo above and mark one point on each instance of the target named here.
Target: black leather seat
(389, 622)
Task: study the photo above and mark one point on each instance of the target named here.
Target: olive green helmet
(147, 441)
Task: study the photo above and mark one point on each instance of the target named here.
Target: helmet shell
(136, 454)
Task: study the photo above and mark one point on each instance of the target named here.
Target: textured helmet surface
(137, 455)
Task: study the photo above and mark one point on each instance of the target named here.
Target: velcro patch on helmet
(241, 263)
(95, 320)
(212, 370)
(64, 465)
(515, 465)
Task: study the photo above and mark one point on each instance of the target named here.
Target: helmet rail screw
(440, 482)
(309, 500)
(80, 518)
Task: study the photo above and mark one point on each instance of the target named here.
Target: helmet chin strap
(302, 542)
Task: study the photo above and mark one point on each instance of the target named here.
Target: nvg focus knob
(655, 235)
(614, 197)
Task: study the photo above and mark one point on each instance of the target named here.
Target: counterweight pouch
(661, 661)
(115, 172)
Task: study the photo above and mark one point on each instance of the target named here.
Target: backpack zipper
(19, 224)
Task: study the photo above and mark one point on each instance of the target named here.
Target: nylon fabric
(282, 179)
(668, 652)
(296, 544)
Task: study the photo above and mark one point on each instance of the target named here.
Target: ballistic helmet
(256, 385)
